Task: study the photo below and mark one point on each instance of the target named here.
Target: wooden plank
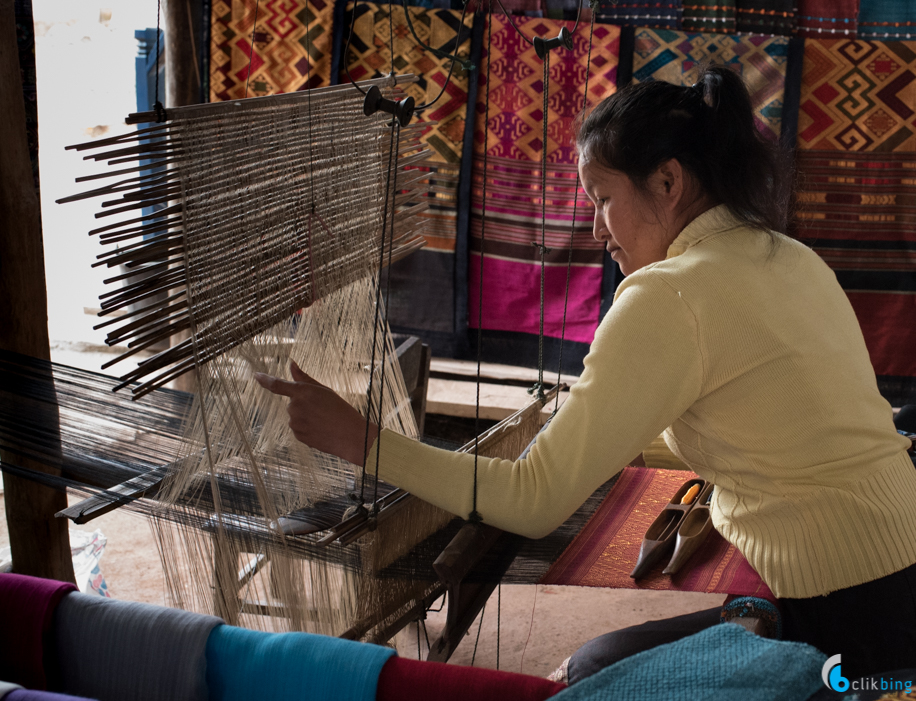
(458, 398)
(492, 371)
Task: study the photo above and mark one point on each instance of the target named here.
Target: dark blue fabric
(246, 664)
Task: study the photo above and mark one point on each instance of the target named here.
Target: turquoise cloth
(722, 663)
(246, 664)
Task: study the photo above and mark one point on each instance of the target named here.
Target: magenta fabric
(517, 285)
(413, 680)
(26, 609)
(512, 214)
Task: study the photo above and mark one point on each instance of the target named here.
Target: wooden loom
(178, 269)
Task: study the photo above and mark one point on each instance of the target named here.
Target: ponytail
(709, 128)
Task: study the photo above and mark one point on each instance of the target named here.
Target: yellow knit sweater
(749, 357)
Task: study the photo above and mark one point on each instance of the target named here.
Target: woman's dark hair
(709, 128)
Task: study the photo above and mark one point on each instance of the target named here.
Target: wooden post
(40, 543)
(182, 19)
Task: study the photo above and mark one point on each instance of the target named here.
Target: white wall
(86, 86)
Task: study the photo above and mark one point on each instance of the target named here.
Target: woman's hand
(319, 417)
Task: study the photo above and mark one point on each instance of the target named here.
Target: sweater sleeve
(644, 370)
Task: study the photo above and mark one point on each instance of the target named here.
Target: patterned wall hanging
(423, 287)
(887, 19)
(857, 198)
(664, 14)
(766, 17)
(716, 16)
(292, 47)
(512, 275)
(824, 19)
(761, 60)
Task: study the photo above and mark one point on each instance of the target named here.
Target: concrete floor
(539, 625)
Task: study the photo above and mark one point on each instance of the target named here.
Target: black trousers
(872, 625)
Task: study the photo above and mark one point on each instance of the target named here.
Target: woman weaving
(740, 345)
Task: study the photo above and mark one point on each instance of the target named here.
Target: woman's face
(632, 232)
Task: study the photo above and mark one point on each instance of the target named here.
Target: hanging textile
(292, 47)
(606, 550)
(247, 664)
(404, 679)
(109, 649)
(27, 606)
(709, 16)
(422, 298)
(766, 17)
(857, 198)
(665, 14)
(760, 60)
(827, 18)
(887, 19)
(512, 271)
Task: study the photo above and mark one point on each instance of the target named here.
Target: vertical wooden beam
(39, 542)
(182, 51)
(182, 38)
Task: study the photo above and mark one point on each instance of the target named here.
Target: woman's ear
(669, 183)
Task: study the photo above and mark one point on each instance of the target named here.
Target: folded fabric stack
(56, 638)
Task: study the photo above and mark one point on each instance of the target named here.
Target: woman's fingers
(299, 376)
(275, 384)
(319, 417)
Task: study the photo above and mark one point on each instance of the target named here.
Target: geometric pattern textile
(858, 96)
(370, 57)
(606, 550)
(857, 194)
(823, 19)
(766, 17)
(887, 19)
(513, 132)
(665, 14)
(422, 288)
(292, 47)
(857, 209)
(718, 16)
(759, 59)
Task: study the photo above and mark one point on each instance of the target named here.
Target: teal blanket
(244, 664)
(722, 663)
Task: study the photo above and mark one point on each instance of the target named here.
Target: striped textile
(766, 17)
(422, 298)
(512, 132)
(292, 47)
(660, 14)
(709, 16)
(857, 195)
(827, 18)
(887, 19)
(605, 551)
(761, 60)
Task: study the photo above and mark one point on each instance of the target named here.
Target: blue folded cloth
(246, 664)
(115, 650)
(722, 663)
